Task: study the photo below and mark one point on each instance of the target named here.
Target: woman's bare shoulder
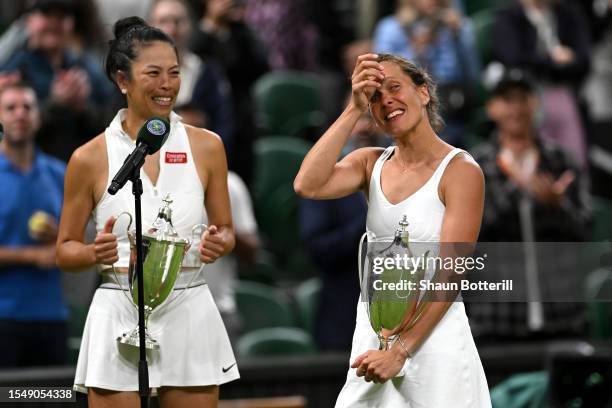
(203, 140)
(369, 156)
(462, 165)
(91, 155)
(463, 171)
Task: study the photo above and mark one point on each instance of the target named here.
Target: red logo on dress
(176, 157)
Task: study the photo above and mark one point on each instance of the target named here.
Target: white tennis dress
(194, 347)
(446, 370)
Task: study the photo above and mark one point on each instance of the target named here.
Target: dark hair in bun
(131, 33)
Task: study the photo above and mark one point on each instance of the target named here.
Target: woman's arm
(84, 169)
(209, 156)
(462, 192)
(321, 176)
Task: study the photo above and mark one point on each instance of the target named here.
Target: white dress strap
(437, 176)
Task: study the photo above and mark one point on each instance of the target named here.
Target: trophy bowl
(162, 260)
(390, 277)
(162, 253)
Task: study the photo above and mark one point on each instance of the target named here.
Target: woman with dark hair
(440, 189)
(195, 355)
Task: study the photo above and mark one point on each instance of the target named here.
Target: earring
(124, 91)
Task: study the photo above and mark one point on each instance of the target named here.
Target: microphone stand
(143, 369)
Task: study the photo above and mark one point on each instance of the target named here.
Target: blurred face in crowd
(154, 82)
(171, 16)
(513, 110)
(225, 11)
(398, 106)
(428, 7)
(51, 30)
(19, 114)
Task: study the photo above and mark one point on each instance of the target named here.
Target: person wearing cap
(550, 39)
(515, 160)
(72, 90)
(535, 193)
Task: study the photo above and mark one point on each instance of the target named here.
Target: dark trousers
(32, 343)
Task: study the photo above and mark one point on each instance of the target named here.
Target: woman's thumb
(108, 227)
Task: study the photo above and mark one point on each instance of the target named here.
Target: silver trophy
(162, 253)
(389, 277)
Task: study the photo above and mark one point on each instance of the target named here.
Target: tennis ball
(37, 221)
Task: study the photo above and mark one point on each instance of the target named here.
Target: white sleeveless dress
(194, 346)
(446, 370)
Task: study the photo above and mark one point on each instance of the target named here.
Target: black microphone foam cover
(153, 133)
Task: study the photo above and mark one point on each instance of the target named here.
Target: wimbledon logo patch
(156, 127)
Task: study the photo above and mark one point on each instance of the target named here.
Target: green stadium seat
(525, 390)
(289, 103)
(277, 341)
(602, 219)
(307, 301)
(261, 306)
(277, 161)
(263, 271)
(76, 324)
(483, 23)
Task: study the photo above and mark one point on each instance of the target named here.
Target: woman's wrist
(402, 349)
(353, 109)
(92, 258)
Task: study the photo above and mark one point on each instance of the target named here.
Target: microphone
(1, 132)
(151, 136)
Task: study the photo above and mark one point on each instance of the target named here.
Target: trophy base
(132, 339)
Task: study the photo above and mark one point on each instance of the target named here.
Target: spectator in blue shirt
(33, 329)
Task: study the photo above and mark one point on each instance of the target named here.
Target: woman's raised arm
(321, 176)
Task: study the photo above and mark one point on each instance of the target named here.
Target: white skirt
(194, 347)
(445, 372)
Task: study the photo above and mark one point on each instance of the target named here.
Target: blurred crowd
(526, 87)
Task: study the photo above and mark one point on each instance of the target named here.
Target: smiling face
(399, 106)
(428, 7)
(154, 81)
(49, 31)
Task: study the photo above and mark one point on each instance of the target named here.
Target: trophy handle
(117, 280)
(195, 228)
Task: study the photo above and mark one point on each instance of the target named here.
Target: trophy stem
(385, 342)
(132, 337)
